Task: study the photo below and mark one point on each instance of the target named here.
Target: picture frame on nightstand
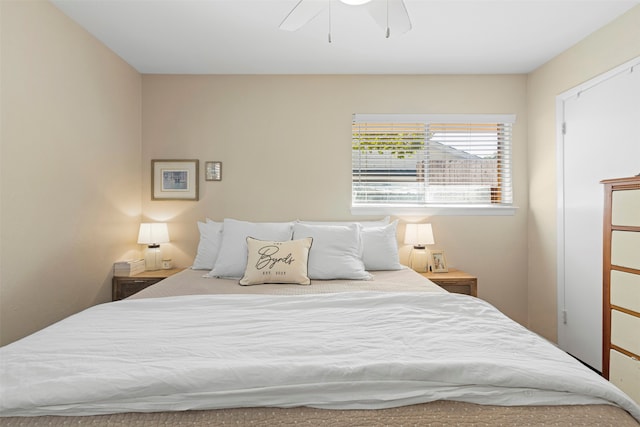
(439, 262)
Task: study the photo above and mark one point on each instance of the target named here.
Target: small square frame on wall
(174, 179)
(439, 262)
(213, 171)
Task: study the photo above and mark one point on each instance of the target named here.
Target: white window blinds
(427, 160)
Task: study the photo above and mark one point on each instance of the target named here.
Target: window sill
(434, 210)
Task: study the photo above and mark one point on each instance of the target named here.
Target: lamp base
(152, 258)
(419, 259)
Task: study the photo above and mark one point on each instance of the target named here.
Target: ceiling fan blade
(302, 13)
(390, 14)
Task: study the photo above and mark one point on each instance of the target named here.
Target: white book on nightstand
(128, 268)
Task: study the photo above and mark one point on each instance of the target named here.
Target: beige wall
(73, 172)
(603, 50)
(70, 167)
(285, 144)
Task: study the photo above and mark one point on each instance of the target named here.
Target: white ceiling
(242, 36)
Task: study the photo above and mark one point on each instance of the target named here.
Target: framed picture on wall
(213, 171)
(439, 262)
(174, 179)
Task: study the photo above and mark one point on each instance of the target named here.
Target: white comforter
(340, 351)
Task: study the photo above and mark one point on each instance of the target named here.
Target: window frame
(431, 209)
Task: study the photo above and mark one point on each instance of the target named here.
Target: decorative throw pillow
(380, 248)
(209, 246)
(277, 262)
(232, 259)
(336, 253)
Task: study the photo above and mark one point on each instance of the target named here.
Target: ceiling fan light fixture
(355, 2)
(390, 15)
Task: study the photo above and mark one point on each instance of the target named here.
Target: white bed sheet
(345, 350)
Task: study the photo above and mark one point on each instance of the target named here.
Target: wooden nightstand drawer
(455, 281)
(460, 288)
(127, 287)
(123, 287)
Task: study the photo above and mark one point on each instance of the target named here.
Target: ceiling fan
(389, 14)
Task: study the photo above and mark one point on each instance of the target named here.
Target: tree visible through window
(461, 161)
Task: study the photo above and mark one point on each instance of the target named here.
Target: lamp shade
(418, 235)
(153, 233)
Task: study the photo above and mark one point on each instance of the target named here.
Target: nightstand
(125, 286)
(455, 281)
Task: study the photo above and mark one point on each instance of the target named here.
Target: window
(432, 164)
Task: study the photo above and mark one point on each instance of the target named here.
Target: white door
(601, 140)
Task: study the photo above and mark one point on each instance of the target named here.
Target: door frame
(629, 66)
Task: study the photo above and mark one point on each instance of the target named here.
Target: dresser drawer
(625, 208)
(625, 249)
(624, 373)
(625, 290)
(624, 331)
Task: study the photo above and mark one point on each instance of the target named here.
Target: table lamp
(419, 235)
(152, 234)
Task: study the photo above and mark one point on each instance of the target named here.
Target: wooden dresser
(621, 285)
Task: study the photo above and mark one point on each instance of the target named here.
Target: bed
(386, 348)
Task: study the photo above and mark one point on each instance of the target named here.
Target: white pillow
(277, 262)
(380, 248)
(232, 259)
(364, 224)
(209, 246)
(336, 251)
